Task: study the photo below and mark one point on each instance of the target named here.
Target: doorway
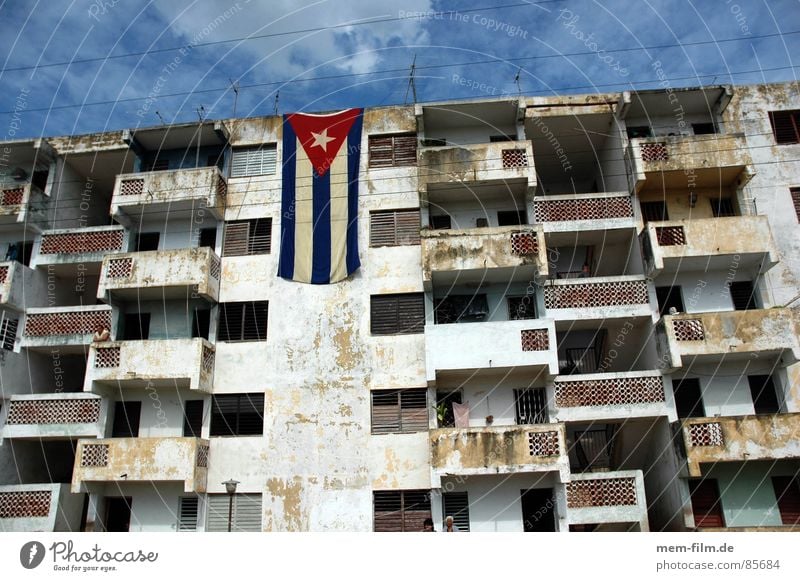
(538, 510)
(118, 514)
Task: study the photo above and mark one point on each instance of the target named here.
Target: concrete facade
(596, 323)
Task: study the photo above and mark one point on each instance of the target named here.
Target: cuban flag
(319, 205)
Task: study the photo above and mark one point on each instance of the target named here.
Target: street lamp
(230, 488)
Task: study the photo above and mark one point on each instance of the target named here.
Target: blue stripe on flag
(321, 257)
(353, 158)
(286, 262)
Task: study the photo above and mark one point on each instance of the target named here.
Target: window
(654, 212)
(688, 398)
(187, 514)
(762, 390)
(434, 142)
(136, 326)
(722, 208)
(787, 493)
(146, 241)
(126, 419)
(192, 418)
(392, 150)
(785, 126)
(706, 504)
(8, 332)
(456, 504)
(394, 228)
(403, 411)
(521, 308)
(398, 511)
(669, 297)
(201, 323)
(208, 237)
(245, 515)
(639, 131)
(500, 138)
(742, 295)
(796, 201)
(703, 128)
(461, 309)
(245, 237)
(254, 161)
(245, 321)
(441, 222)
(400, 314)
(237, 414)
(156, 165)
(510, 218)
(445, 400)
(531, 406)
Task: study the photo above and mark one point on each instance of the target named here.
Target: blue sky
(282, 45)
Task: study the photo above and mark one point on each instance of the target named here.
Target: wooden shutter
(392, 150)
(246, 321)
(260, 240)
(380, 152)
(400, 511)
(796, 201)
(237, 415)
(254, 161)
(385, 412)
(246, 513)
(785, 126)
(787, 493)
(236, 238)
(394, 228)
(187, 513)
(405, 150)
(413, 410)
(456, 504)
(411, 313)
(706, 504)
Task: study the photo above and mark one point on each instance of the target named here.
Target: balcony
(709, 244)
(707, 337)
(175, 191)
(498, 450)
(160, 274)
(28, 508)
(519, 249)
(53, 416)
(22, 203)
(21, 286)
(702, 160)
(597, 298)
(71, 328)
(607, 498)
(739, 439)
(476, 164)
(177, 363)
(584, 212)
(141, 460)
(526, 345)
(611, 396)
(63, 250)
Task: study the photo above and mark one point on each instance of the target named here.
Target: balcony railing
(744, 240)
(177, 362)
(178, 189)
(611, 497)
(39, 508)
(142, 274)
(483, 162)
(709, 336)
(53, 326)
(601, 211)
(53, 416)
(85, 245)
(599, 297)
(528, 344)
(22, 202)
(741, 438)
(512, 247)
(142, 460)
(499, 450)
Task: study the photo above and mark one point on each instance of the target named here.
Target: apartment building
(573, 313)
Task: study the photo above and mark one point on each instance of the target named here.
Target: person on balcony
(101, 334)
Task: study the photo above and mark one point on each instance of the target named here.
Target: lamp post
(230, 488)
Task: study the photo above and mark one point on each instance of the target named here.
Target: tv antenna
(412, 85)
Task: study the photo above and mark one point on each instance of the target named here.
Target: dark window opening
(201, 323)
(654, 212)
(501, 138)
(592, 449)
(434, 142)
(146, 241)
(441, 222)
(743, 295)
(521, 308)
(461, 309)
(538, 514)
(669, 297)
(444, 407)
(510, 218)
(787, 494)
(530, 405)
(765, 398)
(397, 314)
(118, 514)
(706, 504)
(639, 131)
(126, 419)
(208, 237)
(688, 398)
(39, 179)
(237, 415)
(135, 327)
(245, 321)
(192, 418)
(722, 207)
(704, 128)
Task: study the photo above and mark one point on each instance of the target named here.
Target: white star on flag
(322, 139)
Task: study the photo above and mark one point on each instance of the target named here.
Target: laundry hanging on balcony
(319, 205)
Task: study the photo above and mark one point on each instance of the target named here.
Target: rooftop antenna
(235, 87)
(277, 97)
(200, 113)
(160, 118)
(516, 80)
(411, 81)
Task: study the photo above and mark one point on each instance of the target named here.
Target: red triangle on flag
(322, 136)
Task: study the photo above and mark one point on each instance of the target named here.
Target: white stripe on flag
(304, 216)
(339, 180)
